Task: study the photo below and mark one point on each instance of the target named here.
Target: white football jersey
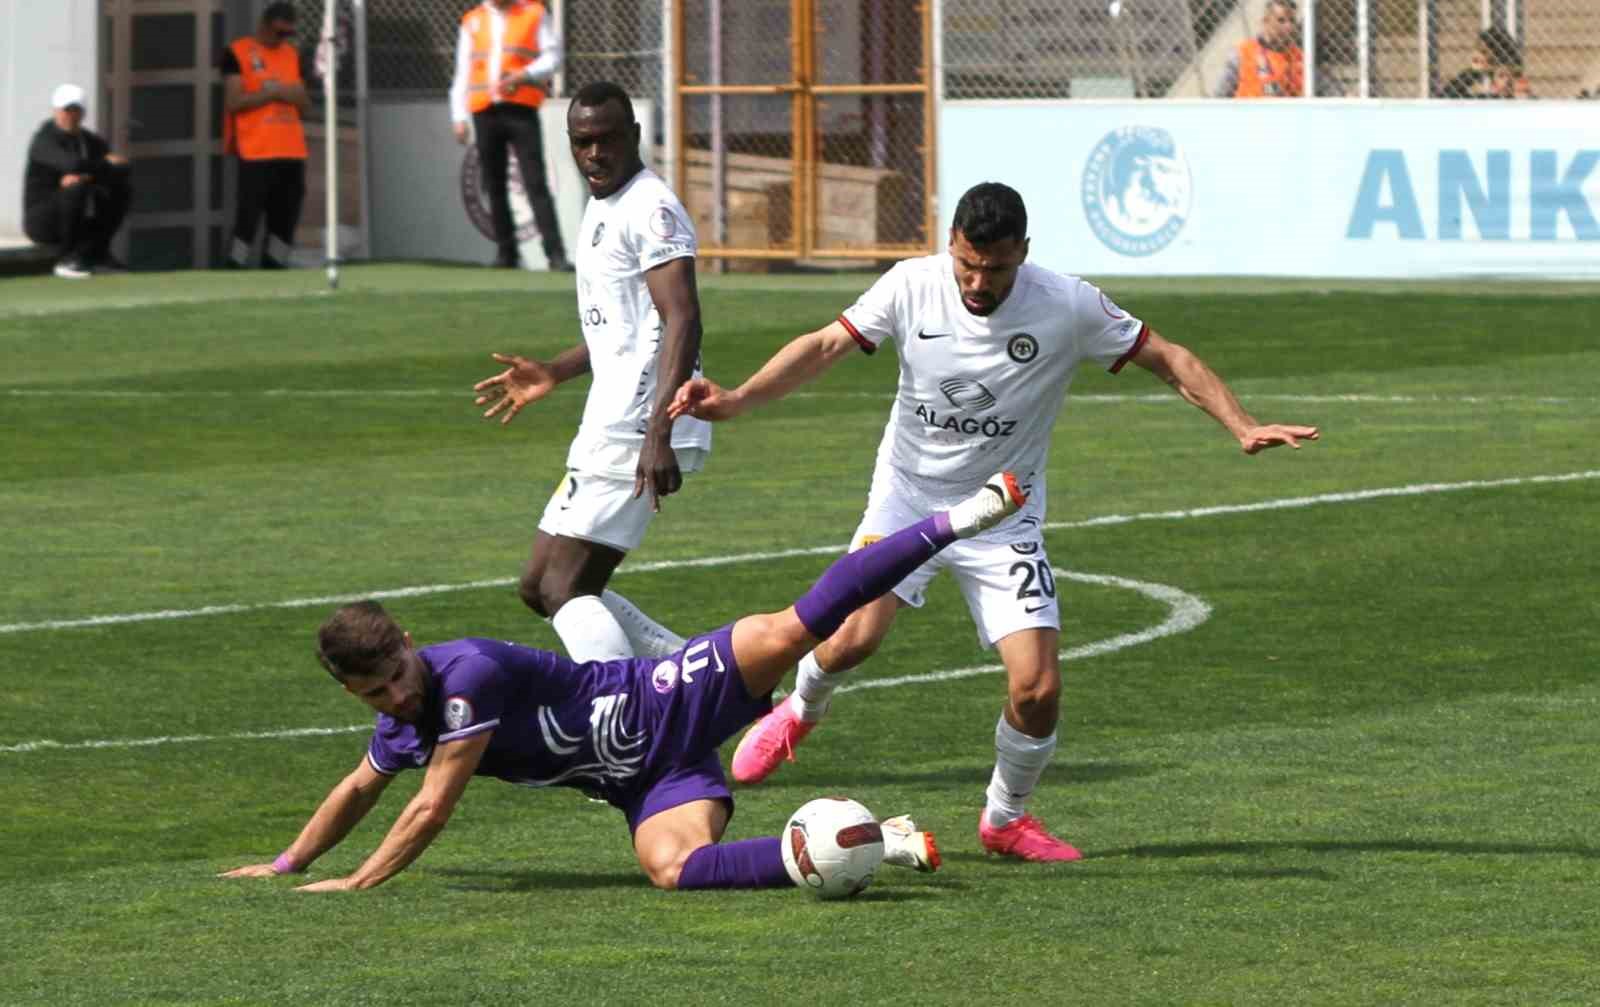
(981, 394)
(638, 227)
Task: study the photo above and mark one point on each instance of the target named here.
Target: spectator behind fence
(506, 53)
(264, 98)
(1495, 69)
(1271, 65)
(76, 191)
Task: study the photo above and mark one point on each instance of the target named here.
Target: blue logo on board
(1136, 190)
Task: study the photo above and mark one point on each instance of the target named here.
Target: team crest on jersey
(665, 676)
(457, 712)
(965, 393)
(1025, 548)
(662, 223)
(1022, 348)
(599, 233)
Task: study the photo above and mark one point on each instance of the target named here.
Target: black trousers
(515, 127)
(82, 220)
(275, 188)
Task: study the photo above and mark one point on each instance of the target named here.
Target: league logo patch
(1022, 348)
(475, 198)
(1136, 190)
(664, 677)
(662, 223)
(457, 712)
(1112, 311)
(599, 234)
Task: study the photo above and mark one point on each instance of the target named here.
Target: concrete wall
(42, 43)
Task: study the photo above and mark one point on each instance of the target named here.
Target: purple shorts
(694, 701)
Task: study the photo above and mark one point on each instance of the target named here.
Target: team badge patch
(457, 713)
(1022, 348)
(665, 676)
(662, 223)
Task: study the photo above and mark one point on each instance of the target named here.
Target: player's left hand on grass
(658, 472)
(251, 871)
(523, 382)
(328, 885)
(1272, 434)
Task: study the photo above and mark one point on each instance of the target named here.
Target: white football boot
(905, 846)
(1000, 498)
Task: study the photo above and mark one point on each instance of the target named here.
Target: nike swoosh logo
(1036, 608)
(718, 656)
(933, 335)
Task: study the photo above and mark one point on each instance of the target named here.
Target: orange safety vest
(1269, 73)
(519, 46)
(273, 130)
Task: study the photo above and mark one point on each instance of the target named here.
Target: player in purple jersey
(640, 733)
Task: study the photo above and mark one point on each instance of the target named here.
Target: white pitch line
(1286, 503)
(1184, 612)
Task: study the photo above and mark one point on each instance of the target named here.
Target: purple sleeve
(395, 747)
(475, 689)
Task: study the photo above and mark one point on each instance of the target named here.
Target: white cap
(67, 94)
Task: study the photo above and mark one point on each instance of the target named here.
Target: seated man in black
(76, 191)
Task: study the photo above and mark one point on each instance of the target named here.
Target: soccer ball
(832, 846)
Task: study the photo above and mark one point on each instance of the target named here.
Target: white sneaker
(68, 269)
(1000, 498)
(904, 846)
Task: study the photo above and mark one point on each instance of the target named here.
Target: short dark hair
(991, 212)
(1500, 46)
(359, 640)
(280, 11)
(598, 92)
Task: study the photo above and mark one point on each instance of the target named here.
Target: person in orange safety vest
(506, 53)
(263, 100)
(1271, 65)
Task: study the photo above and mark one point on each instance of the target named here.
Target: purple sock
(867, 574)
(748, 863)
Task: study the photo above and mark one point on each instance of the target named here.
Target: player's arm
(800, 361)
(346, 804)
(672, 288)
(449, 772)
(1199, 385)
(525, 381)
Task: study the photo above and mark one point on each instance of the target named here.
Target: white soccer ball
(832, 846)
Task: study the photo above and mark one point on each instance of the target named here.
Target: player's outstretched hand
(1272, 434)
(523, 381)
(250, 871)
(703, 399)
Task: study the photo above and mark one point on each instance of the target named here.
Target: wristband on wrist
(285, 864)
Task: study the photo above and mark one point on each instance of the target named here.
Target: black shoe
(559, 264)
(507, 260)
(108, 263)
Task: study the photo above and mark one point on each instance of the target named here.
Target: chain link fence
(1011, 49)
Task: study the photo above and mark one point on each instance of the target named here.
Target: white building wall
(43, 43)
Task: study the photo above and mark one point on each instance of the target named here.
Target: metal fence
(1011, 49)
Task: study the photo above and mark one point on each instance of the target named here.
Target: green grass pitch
(1368, 776)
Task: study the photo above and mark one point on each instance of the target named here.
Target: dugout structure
(804, 129)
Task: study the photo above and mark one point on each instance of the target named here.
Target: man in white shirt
(640, 316)
(987, 345)
(506, 53)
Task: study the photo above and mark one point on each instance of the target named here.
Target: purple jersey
(613, 728)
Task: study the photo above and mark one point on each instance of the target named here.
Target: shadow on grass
(1255, 848)
(877, 774)
(466, 879)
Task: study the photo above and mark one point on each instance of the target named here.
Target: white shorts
(602, 508)
(1008, 586)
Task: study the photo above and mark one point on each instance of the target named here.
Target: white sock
(647, 637)
(813, 689)
(1019, 762)
(589, 632)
